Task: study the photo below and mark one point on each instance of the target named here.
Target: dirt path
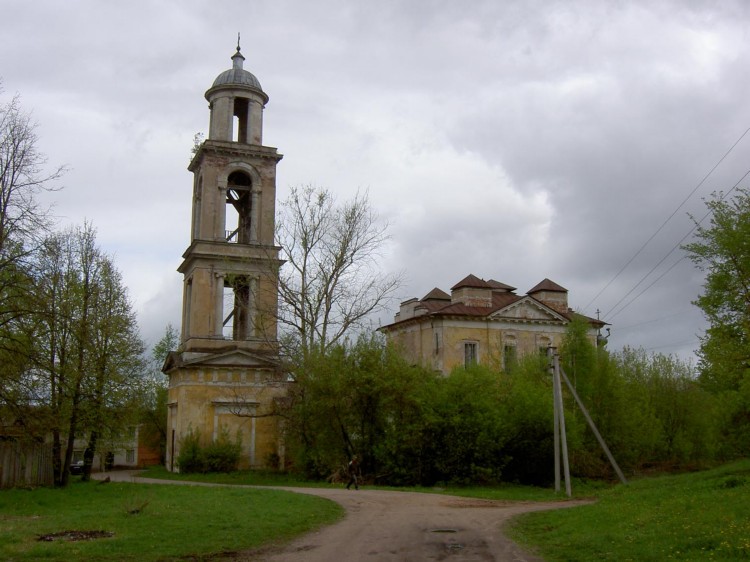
(385, 526)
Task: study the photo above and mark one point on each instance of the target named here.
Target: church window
(197, 202)
(470, 353)
(239, 206)
(509, 357)
(240, 121)
(238, 307)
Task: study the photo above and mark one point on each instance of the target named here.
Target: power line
(697, 224)
(691, 341)
(658, 230)
(671, 267)
(653, 320)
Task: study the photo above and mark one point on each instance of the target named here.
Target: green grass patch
(696, 516)
(153, 522)
(513, 492)
(238, 478)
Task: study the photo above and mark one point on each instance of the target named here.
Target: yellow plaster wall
(193, 396)
(417, 342)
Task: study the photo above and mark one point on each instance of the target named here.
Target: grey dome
(237, 76)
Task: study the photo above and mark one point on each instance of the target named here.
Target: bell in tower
(225, 375)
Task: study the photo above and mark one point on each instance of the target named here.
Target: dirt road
(385, 526)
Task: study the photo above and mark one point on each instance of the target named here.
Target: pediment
(233, 358)
(530, 310)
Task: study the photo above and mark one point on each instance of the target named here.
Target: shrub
(190, 458)
(222, 455)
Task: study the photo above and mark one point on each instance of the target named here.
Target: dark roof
(499, 300)
(497, 285)
(471, 281)
(439, 303)
(547, 285)
(436, 294)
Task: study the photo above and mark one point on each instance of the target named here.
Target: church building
(225, 376)
(483, 322)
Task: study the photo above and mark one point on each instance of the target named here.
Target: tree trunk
(88, 456)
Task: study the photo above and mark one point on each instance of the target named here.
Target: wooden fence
(25, 464)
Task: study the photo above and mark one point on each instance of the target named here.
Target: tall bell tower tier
(225, 378)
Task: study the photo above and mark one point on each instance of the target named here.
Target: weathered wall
(208, 400)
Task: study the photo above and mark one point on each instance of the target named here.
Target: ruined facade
(224, 378)
(482, 322)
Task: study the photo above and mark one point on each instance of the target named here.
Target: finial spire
(237, 57)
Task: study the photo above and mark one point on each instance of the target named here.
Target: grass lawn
(241, 477)
(697, 516)
(152, 522)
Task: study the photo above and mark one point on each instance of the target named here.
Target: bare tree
(330, 282)
(24, 222)
(23, 176)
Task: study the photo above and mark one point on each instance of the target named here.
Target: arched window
(238, 307)
(239, 207)
(197, 207)
(240, 120)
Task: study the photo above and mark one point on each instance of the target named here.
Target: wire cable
(697, 224)
(658, 230)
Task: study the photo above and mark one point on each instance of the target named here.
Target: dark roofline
(471, 281)
(498, 285)
(436, 294)
(547, 285)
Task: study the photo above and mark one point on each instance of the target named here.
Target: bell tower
(225, 376)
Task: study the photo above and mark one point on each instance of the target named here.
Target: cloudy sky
(515, 140)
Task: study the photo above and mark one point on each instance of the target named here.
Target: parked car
(76, 468)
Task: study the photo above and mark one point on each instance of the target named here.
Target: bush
(222, 455)
(190, 458)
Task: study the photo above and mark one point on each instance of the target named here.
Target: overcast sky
(513, 140)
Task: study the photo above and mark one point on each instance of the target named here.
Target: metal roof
(238, 76)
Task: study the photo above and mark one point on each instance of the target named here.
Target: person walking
(353, 469)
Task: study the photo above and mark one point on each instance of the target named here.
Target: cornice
(236, 149)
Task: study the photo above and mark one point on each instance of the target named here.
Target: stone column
(253, 308)
(256, 122)
(219, 305)
(254, 215)
(221, 119)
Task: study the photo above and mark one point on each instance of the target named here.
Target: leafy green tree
(116, 357)
(657, 413)
(87, 348)
(469, 428)
(23, 224)
(722, 251)
(359, 398)
(579, 357)
(529, 451)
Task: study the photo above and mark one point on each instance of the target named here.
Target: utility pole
(598, 435)
(561, 442)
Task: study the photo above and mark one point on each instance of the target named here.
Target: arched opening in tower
(240, 121)
(238, 308)
(239, 208)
